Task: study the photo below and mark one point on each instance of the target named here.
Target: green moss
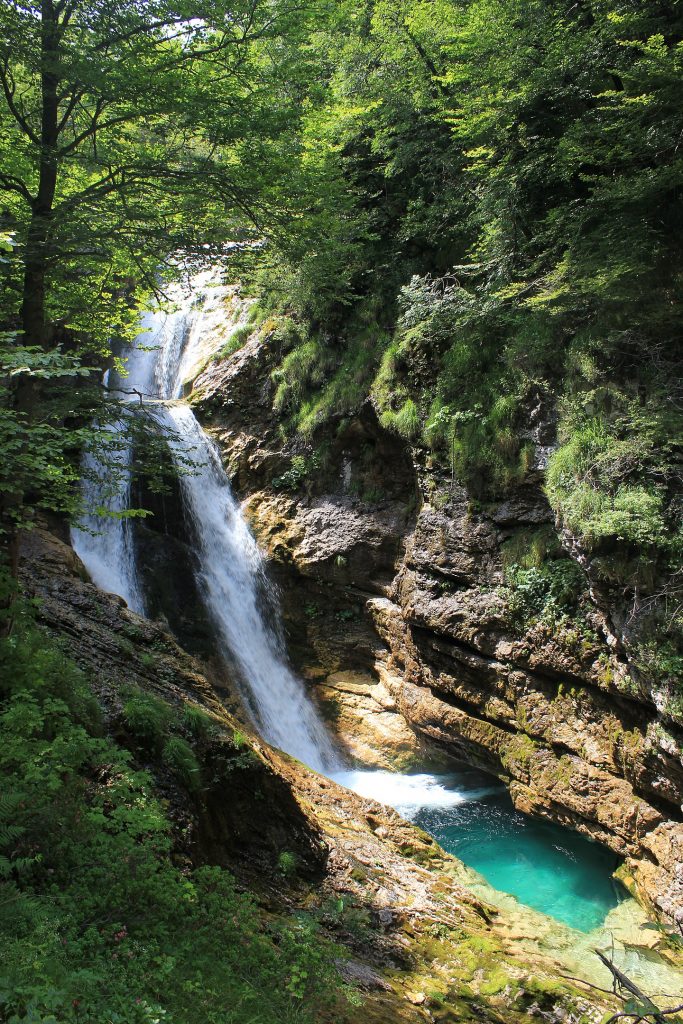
(519, 752)
(495, 981)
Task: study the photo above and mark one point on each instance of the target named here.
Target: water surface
(543, 865)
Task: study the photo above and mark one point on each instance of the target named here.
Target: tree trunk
(35, 327)
(33, 311)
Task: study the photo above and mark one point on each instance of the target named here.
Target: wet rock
(363, 976)
(412, 600)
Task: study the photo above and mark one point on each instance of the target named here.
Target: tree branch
(11, 184)
(8, 87)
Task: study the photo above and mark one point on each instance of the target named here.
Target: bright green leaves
(610, 479)
(96, 920)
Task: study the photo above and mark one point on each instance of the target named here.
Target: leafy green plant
(287, 863)
(96, 920)
(148, 718)
(179, 756)
(239, 740)
(301, 469)
(545, 592)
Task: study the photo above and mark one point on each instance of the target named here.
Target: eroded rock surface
(422, 947)
(388, 572)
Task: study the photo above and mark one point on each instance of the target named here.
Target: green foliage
(179, 756)
(529, 549)
(237, 339)
(287, 863)
(300, 470)
(239, 740)
(546, 592)
(96, 921)
(405, 421)
(148, 718)
(197, 722)
(610, 479)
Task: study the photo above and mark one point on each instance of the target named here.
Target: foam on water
(408, 794)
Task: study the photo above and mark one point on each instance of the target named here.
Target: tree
(131, 134)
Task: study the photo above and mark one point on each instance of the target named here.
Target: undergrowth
(97, 923)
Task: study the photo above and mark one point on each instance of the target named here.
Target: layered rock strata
(392, 588)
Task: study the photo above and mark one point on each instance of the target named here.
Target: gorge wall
(397, 610)
(412, 939)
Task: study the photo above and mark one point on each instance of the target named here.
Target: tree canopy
(133, 137)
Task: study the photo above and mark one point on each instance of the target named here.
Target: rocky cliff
(399, 609)
(413, 940)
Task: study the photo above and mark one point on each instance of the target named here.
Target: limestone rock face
(387, 573)
(363, 711)
(375, 884)
(332, 538)
(659, 877)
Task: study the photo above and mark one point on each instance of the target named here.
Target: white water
(232, 581)
(105, 542)
(407, 794)
(168, 353)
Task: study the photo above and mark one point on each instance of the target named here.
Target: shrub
(544, 592)
(148, 718)
(287, 863)
(179, 756)
(302, 467)
(607, 480)
(406, 421)
(96, 921)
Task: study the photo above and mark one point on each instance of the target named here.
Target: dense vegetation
(471, 215)
(501, 277)
(97, 921)
(134, 137)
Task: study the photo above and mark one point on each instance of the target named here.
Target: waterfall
(232, 579)
(104, 543)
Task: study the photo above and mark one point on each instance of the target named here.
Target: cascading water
(167, 353)
(105, 542)
(231, 578)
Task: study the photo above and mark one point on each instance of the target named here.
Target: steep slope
(421, 946)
